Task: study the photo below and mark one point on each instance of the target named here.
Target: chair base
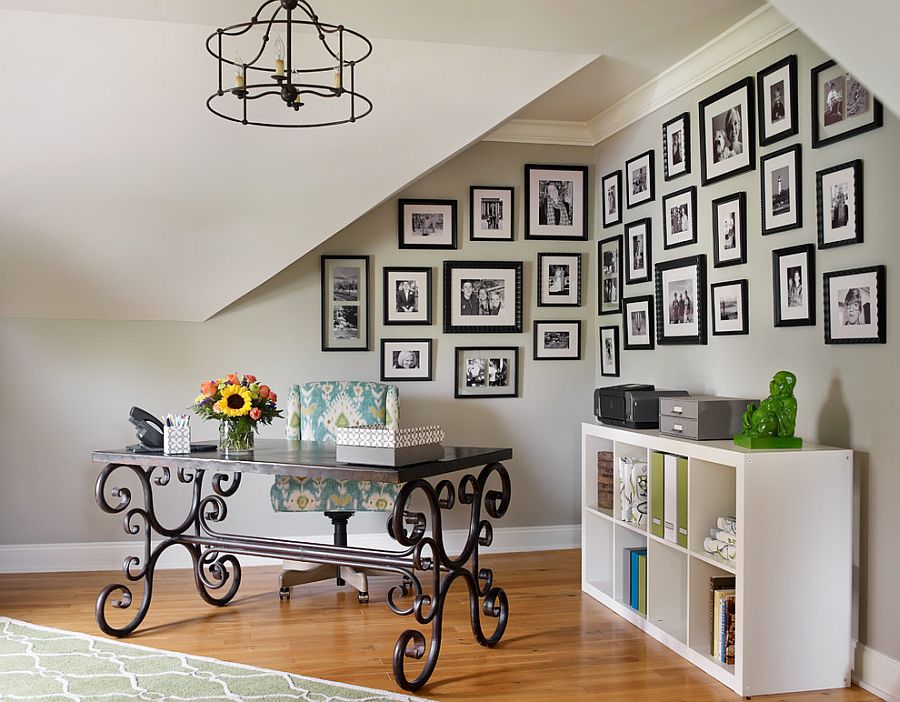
(302, 573)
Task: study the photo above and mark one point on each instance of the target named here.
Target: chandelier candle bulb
(279, 56)
(337, 78)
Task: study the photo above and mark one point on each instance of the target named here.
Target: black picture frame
(419, 219)
(679, 211)
(481, 383)
(683, 321)
(609, 351)
(396, 364)
(638, 311)
(729, 225)
(718, 159)
(843, 187)
(345, 303)
(553, 340)
(497, 278)
(640, 179)
(413, 308)
(677, 146)
(559, 279)
(492, 213)
(573, 182)
(638, 246)
(611, 189)
(609, 275)
(776, 98)
(868, 326)
(832, 125)
(781, 210)
(728, 306)
(794, 302)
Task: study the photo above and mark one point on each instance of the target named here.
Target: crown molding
(539, 131)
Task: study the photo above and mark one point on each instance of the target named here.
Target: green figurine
(771, 425)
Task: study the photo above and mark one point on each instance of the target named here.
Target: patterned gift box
(380, 436)
(176, 440)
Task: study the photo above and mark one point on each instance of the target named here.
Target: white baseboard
(876, 672)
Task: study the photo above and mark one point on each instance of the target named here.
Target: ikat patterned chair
(314, 412)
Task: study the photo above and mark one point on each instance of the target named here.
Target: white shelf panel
(670, 544)
(727, 566)
(599, 511)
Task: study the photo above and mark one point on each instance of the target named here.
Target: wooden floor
(560, 644)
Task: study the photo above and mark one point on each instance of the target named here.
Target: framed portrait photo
(609, 278)
(345, 303)
(491, 213)
(779, 190)
(427, 224)
(611, 186)
(855, 306)
(728, 302)
(776, 98)
(556, 202)
(680, 218)
(482, 297)
(727, 133)
(639, 179)
(681, 301)
(839, 205)
(559, 279)
(557, 340)
(609, 352)
(637, 323)
(729, 220)
(407, 295)
(677, 146)
(842, 107)
(794, 286)
(406, 359)
(486, 371)
(638, 254)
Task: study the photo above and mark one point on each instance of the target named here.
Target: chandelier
(292, 89)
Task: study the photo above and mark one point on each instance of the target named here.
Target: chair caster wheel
(284, 594)
(363, 597)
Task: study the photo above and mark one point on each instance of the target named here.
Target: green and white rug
(52, 665)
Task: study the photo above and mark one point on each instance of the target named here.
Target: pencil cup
(176, 440)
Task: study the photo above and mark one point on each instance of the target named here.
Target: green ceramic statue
(771, 424)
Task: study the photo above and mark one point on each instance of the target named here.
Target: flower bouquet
(240, 404)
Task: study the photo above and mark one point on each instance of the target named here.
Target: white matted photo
(639, 179)
(839, 205)
(609, 352)
(482, 297)
(491, 213)
(556, 202)
(407, 295)
(794, 285)
(637, 323)
(427, 224)
(728, 302)
(609, 259)
(612, 198)
(776, 94)
(681, 301)
(345, 303)
(855, 306)
(638, 254)
(727, 134)
(679, 218)
(729, 218)
(486, 371)
(842, 105)
(557, 340)
(406, 359)
(677, 146)
(780, 198)
(559, 280)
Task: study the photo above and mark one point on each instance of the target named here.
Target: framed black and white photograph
(609, 352)
(637, 323)
(680, 218)
(638, 253)
(559, 279)
(486, 371)
(406, 359)
(842, 107)
(727, 133)
(677, 146)
(612, 198)
(557, 340)
(407, 295)
(491, 213)
(729, 220)
(779, 194)
(609, 261)
(839, 200)
(345, 303)
(681, 301)
(556, 202)
(639, 179)
(482, 297)
(794, 286)
(776, 97)
(855, 306)
(427, 224)
(728, 303)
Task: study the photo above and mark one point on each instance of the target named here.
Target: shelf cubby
(667, 588)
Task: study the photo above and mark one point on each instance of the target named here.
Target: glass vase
(235, 439)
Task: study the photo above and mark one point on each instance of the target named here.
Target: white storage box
(380, 446)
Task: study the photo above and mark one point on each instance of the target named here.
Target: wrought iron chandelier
(310, 95)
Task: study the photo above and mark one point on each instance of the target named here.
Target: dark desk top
(308, 459)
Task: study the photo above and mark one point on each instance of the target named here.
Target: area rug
(52, 665)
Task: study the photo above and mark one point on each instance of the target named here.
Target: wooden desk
(422, 556)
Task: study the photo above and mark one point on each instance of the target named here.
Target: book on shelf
(626, 573)
(635, 575)
(718, 584)
(642, 583)
(726, 655)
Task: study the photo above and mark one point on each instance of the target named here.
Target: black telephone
(150, 434)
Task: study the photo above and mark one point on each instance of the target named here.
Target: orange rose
(250, 378)
(255, 414)
(273, 397)
(264, 391)
(233, 379)
(209, 388)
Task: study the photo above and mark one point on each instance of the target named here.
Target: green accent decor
(768, 442)
(657, 493)
(771, 425)
(38, 663)
(682, 480)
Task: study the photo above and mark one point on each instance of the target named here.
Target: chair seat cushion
(319, 494)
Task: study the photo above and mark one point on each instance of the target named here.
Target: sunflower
(235, 401)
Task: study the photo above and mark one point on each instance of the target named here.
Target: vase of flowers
(240, 404)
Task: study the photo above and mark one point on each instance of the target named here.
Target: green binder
(682, 525)
(657, 493)
(642, 584)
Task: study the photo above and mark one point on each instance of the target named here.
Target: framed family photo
(729, 220)
(486, 371)
(839, 202)
(794, 286)
(406, 359)
(482, 297)
(609, 352)
(612, 198)
(638, 254)
(559, 279)
(609, 260)
(780, 199)
(637, 323)
(345, 303)
(677, 146)
(728, 302)
(776, 96)
(491, 213)
(639, 179)
(556, 202)
(727, 134)
(842, 107)
(855, 306)
(681, 301)
(407, 295)
(680, 218)
(427, 224)
(558, 340)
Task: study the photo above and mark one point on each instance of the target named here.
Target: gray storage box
(702, 417)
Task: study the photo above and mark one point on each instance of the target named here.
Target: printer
(632, 405)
